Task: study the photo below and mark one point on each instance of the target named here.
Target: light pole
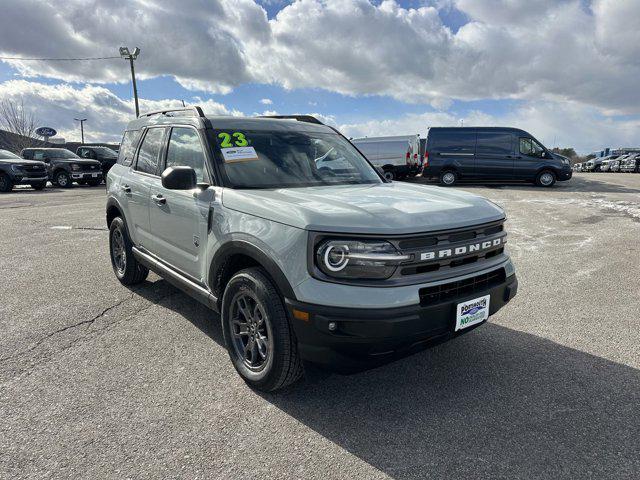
(81, 120)
(131, 56)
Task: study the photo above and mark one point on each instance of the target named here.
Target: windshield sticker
(239, 154)
(239, 140)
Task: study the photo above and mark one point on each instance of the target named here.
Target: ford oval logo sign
(46, 132)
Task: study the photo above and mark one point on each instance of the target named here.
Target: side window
(494, 144)
(530, 147)
(149, 151)
(128, 147)
(38, 155)
(185, 149)
(455, 142)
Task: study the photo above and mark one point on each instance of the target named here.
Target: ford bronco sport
(305, 263)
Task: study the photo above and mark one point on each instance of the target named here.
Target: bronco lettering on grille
(462, 250)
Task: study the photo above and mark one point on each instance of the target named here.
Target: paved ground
(97, 381)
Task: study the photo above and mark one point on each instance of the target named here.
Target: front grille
(89, 168)
(461, 288)
(458, 241)
(33, 169)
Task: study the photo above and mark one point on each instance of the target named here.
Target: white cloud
(524, 49)
(266, 101)
(107, 115)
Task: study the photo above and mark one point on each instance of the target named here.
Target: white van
(398, 157)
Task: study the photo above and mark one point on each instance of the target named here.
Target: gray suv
(305, 262)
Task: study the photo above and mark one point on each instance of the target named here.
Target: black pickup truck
(104, 155)
(65, 167)
(16, 171)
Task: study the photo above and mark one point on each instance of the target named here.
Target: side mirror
(179, 178)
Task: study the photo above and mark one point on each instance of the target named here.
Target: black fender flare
(243, 247)
(114, 203)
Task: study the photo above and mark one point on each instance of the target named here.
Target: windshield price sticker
(239, 154)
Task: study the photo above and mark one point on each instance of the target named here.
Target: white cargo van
(398, 157)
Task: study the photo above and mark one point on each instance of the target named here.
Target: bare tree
(20, 123)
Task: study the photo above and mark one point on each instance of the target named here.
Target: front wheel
(6, 185)
(546, 178)
(127, 269)
(63, 179)
(257, 332)
(448, 178)
(389, 175)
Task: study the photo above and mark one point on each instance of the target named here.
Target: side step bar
(176, 279)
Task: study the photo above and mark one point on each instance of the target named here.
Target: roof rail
(300, 118)
(195, 111)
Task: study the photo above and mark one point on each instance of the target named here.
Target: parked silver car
(307, 252)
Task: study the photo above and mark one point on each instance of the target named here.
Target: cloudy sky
(565, 70)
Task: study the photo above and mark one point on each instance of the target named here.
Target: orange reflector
(300, 315)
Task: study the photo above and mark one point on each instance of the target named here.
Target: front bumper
(26, 180)
(365, 338)
(565, 175)
(86, 175)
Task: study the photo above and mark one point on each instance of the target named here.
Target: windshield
(61, 153)
(106, 151)
(7, 154)
(268, 159)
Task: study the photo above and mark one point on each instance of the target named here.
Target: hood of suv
(20, 161)
(79, 161)
(388, 208)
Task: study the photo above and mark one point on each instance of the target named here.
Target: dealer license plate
(472, 312)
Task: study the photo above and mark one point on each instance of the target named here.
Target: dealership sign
(46, 132)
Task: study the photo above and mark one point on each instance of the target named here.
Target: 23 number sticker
(239, 140)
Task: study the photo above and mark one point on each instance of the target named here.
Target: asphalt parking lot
(98, 381)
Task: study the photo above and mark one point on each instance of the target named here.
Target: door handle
(125, 188)
(159, 199)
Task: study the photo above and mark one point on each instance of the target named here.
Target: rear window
(494, 143)
(453, 141)
(128, 147)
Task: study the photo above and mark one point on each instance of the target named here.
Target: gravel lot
(98, 381)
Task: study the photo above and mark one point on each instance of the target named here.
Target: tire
(389, 175)
(252, 292)
(63, 179)
(448, 178)
(125, 266)
(6, 184)
(546, 178)
(39, 185)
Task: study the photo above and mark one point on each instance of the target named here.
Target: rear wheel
(39, 185)
(127, 269)
(546, 178)
(6, 184)
(257, 332)
(63, 179)
(449, 178)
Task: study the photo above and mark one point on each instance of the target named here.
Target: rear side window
(462, 142)
(494, 143)
(185, 149)
(128, 147)
(149, 151)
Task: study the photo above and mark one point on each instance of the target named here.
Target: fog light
(333, 326)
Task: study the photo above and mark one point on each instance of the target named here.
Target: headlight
(75, 167)
(358, 259)
(566, 161)
(16, 168)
